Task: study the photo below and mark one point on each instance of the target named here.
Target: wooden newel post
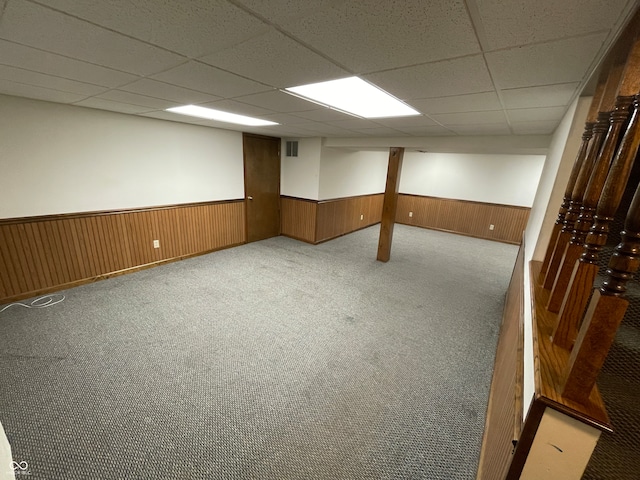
(390, 204)
(605, 313)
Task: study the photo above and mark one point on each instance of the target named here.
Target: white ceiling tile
(428, 131)
(192, 28)
(325, 129)
(474, 102)
(355, 123)
(240, 108)
(524, 21)
(153, 88)
(534, 128)
(36, 26)
(208, 79)
(269, 58)
(50, 63)
(136, 99)
(323, 114)
(470, 118)
(286, 119)
(563, 61)
(537, 114)
(39, 93)
(27, 77)
(102, 104)
(482, 129)
(545, 96)
(381, 132)
(373, 35)
(400, 122)
(438, 79)
(277, 101)
(173, 117)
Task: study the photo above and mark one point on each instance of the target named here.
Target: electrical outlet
(410, 214)
(491, 227)
(361, 217)
(156, 244)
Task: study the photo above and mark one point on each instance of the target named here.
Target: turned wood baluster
(599, 131)
(557, 226)
(594, 187)
(586, 269)
(577, 167)
(605, 313)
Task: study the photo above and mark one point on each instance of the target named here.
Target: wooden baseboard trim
(460, 233)
(106, 276)
(297, 238)
(345, 233)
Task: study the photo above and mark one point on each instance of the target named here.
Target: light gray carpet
(274, 360)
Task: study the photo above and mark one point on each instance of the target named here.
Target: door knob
(250, 197)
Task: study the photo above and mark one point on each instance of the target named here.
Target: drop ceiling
(475, 67)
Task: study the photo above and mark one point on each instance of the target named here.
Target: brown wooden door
(261, 186)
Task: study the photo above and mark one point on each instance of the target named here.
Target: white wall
(501, 179)
(300, 176)
(60, 159)
(347, 173)
(557, 168)
(6, 472)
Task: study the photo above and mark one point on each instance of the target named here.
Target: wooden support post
(619, 113)
(390, 204)
(605, 313)
(585, 270)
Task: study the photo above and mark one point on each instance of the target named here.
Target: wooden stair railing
(575, 171)
(619, 114)
(605, 313)
(586, 268)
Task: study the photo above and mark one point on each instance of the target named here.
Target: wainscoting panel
(465, 217)
(42, 254)
(342, 215)
(298, 218)
(504, 413)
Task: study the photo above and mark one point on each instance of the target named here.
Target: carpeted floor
(273, 360)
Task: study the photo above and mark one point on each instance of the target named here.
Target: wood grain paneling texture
(504, 418)
(464, 217)
(341, 216)
(298, 218)
(42, 254)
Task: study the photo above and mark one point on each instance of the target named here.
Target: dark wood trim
(318, 242)
(117, 273)
(300, 199)
(465, 201)
(460, 233)
(550, 361)
(98, 213)
(339, 199)
(523, 446)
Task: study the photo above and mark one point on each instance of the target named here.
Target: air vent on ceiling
(292, 148)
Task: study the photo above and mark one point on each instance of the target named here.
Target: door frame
(244, 178)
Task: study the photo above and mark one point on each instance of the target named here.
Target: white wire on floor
(42, 302)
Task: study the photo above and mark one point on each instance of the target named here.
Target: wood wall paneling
(464, 217)
(43, 254)
(504, 420)
(298, 218)
(341, 216)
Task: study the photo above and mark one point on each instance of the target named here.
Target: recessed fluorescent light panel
(354, 95)
(220, 116)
